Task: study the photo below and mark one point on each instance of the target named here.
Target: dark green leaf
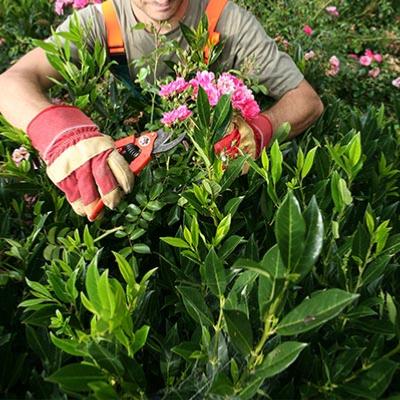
(214, 273)
(203, 107)
(239, 330)
(315, 311)
(195, 305)
(75, 377)
(290, 230)
(279, 359)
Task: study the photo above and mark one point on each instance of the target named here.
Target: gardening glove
(80, 160)
(249, 136)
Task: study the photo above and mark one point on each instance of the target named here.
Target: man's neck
(162, 26)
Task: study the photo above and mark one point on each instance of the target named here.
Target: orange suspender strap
(213, 11)
(115, 42)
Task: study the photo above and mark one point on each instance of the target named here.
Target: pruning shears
(138, 151)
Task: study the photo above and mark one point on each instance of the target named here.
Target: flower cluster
(60, 4)
(20, 154)
(396, 82)
(241, 96)
(370, 60)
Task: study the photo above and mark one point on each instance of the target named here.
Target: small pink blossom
(309, 55)
(2, 41)
(20, 154)
(396, 82)
(378, 58)
(334, 66)
(374, 72)
(332, 10)
(179, 114)
(365, 61)
(308, 30)
(177, 86)
(206, 80)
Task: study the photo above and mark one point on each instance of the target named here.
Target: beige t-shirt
(243, 35)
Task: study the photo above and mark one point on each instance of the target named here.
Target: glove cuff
(263, 131)
(53, 122)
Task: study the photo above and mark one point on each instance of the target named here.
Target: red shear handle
(145, 143)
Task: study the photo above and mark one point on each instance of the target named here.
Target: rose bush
(206, 283)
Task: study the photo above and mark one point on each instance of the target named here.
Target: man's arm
(300, 107)
(23, 87)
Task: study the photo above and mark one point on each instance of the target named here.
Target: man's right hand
(80, 160)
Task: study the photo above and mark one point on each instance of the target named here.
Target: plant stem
(106, 233)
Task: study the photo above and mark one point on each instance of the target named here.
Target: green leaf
(221, 114)
(222, 230)
(251, 265)
(232, 205)
(276, 162)
(195, 305)
(308, 163)
(91, 283)
(103, 391)
(215, 277)
(203, 107)
(69, 346)
(75, 377)
(280, 358)
(232, 172)
(140, 338)
(229, 246)
(315, 311)
(185, 350)
(125, 268)
(314, 238)
(375, 269)
(105, 359)
(141, 248)
(290, 230)
(239, 330)
(372, 383)
(176, 242)
(354, 149)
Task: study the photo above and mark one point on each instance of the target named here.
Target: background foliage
(206, 284)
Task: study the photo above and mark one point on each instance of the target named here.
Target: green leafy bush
(206, 283)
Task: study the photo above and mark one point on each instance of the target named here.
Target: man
(82, 161)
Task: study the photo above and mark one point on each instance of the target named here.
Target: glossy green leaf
(315, 311)
(239, 329)
(203, 108)
(125, 268)
(214, 273)
(222, 230)
(372, 383)
(105, 359)
(75, 377)
(276, 162)
(176, 242)
(280, 358)
(308, 162)
(314, 238)
(69, 346)
(140, 338)
(290, 231)
(229, 246)
(195, 305)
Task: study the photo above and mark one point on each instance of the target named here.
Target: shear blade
(162, 144)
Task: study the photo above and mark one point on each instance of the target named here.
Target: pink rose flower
(332, 10)
(177, 86)
(179, 114)
(378, 58)
(334, 66)
(374, 72)
(308, 30)
(206, 80)
(365, 61)
(20, 154)
(309, 55)
(396, 82)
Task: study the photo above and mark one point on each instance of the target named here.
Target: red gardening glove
(250, 136)
(80, 160)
